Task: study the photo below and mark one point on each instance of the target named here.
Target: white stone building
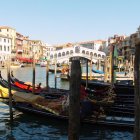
(5, 49)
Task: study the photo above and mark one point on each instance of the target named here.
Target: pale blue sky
(61, 21)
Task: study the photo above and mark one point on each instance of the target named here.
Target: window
(83, 52)
(0, 48)
(4, 40)
(71, 51)
(51, 56)
(103, 56)
(8, 48)
(87, 53)
(59, 54)
(63, 53)
(91, 53)
(95, 55)
(99, 55)
(55, 55)
(4, 48)
(67, 53)
(0, 30)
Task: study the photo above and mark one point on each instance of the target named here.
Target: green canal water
(30, 127)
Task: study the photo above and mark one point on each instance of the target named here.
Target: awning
(23, 59)
(97, 71)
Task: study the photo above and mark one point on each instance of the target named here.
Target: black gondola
(121, 121)
(120, 88)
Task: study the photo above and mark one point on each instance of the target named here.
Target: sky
(64, 21)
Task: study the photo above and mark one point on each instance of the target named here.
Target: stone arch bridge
(63, 55)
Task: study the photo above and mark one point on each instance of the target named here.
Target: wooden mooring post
(86, 73)
(33, 82)
(47, 75)
(55, 74)
(74, 101)
(112, 64)
(9, 88)
(91, 68)
(137, 91)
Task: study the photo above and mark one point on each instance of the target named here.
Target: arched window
(99, 55)
(51, 56)
(83, 51)
(63, 53)
(95, 55)
(71, 51)
(67, 53)
(55, 55)
(59, 54)
(91, 53)
(4, 48)
(103, 56)
(87, 53)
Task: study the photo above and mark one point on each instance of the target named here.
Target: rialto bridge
(63, 55)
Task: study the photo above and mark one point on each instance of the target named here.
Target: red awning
(23, 59)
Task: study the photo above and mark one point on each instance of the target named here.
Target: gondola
(4, 83)
(35, 104)
(24, 86)
(124, 87)
(105, 120)
(21, 84)
(27, 102)
(53, 95)
(122, 104)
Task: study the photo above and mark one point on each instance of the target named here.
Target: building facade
(9, 32)
(5, 49)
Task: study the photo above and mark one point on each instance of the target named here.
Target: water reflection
(31, 127)
(28, 126)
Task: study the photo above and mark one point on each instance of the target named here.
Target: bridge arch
(87, 52)
(95, 54)
(83, 51)
(71, 51)
(103, 56)
(67, 53)
(99, 55)
(63, 53)
(91, 53)
(59, 54)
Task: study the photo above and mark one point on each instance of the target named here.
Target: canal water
(30, 127)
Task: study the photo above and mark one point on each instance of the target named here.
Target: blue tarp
(97, 71)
